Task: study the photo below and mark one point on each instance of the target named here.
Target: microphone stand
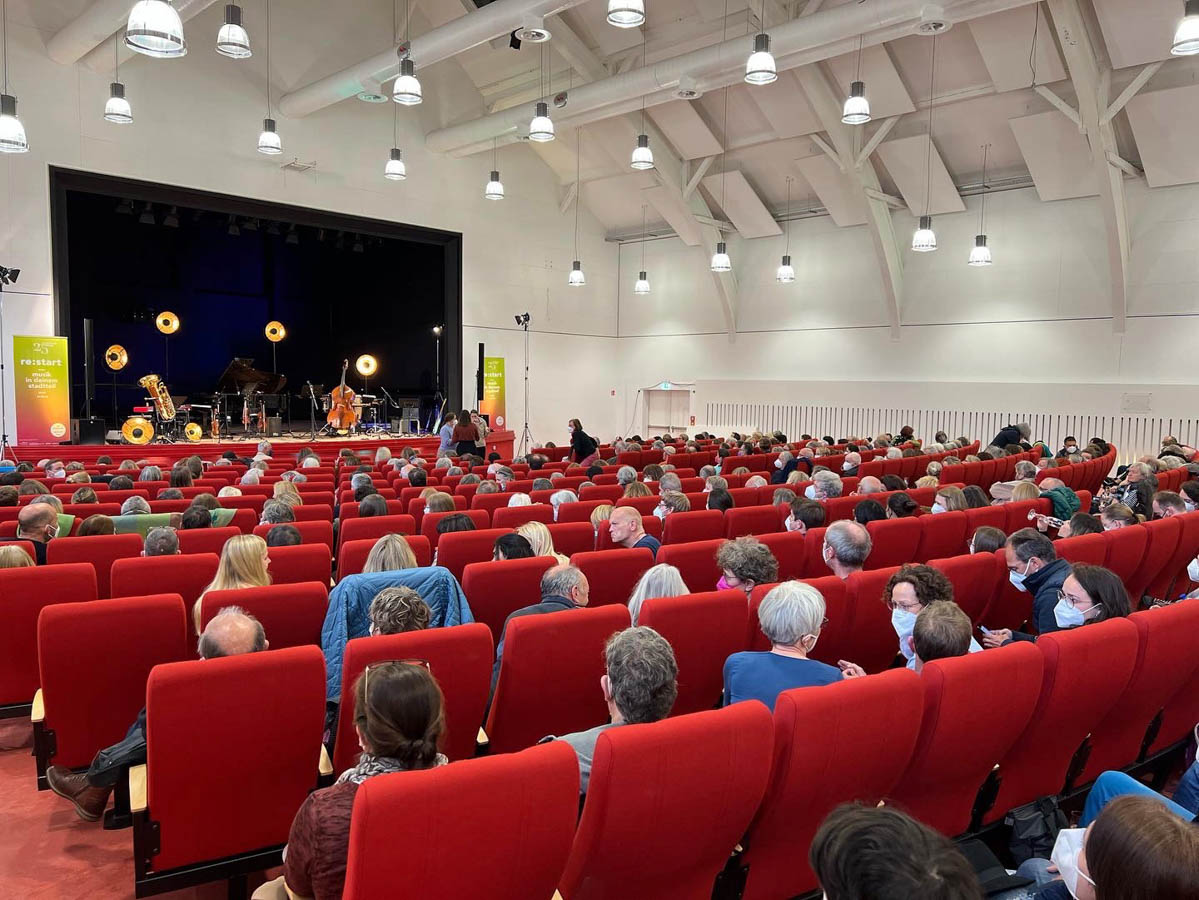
(388, 403)
(312, 409)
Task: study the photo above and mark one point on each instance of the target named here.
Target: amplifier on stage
(274, 426)
(87, 431)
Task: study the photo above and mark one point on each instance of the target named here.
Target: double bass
(341, 404)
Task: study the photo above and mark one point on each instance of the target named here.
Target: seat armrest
(38, 713)
(137, 788)
(325, 766)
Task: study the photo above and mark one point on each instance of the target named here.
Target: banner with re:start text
(42, 387)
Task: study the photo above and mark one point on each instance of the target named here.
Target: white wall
(196, 124)
(1030, 334)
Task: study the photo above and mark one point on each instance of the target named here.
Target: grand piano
(242, 389)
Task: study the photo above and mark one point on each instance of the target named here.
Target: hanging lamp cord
(4, 14)
(268, 58)
(928, 161)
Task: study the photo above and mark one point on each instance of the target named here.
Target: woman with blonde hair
(389, 553)
(244, 563)
(538, 536)
(382, 455)
(601, 513)
(1026, 490)
(950, 499)
(439, 502)
(927, 481)
(14, 557)
(637, 489)
(662, 580)
(287, 492)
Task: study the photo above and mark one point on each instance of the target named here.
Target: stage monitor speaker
(274, 426)
(89, 372)
(87, 431)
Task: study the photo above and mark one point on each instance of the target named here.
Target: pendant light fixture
(495, 187)
(925, 239)
(785, 274)
(643, 156)
(117, 109)
(720, 259)
(12, 132)
(406, 89)
(1186, 36)
(394, 169)
(760, 67)
(642, 285)
(577, 279)
(626, 13)
(155, 29)
(268, 141)
(857, 108)
(232, 40)
(981, 254)
(541, 129)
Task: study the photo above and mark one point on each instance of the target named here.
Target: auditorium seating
(24, 592)
(92, 690)
(351, 557)
(291, 614)
(704, 629)
(99, 550)
(185, 575)
(696, 562)
(374, 527)
(497, 589)
(457, 549)
(549, 678)
(894, 542)
(510, 850)
(299, 563)
(612, 574)
(702, 525)
(667, 803)
(235, 750)
(311, 532)
(572, 537)
(975, 707)
(874, 642)
(515, 516)
(205, 540)
(867, 729)
(460, 658)
(1161, 543)
(428, 523)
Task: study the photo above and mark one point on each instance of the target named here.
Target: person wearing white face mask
(1033, 567)
(825, 485)
(849, 468)
(672, 502)
(1167, 504)
(910, 591)
(1088, 594)
(804, 514)
(846, 547)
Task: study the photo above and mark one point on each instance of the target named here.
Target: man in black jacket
(1033, 566)
(1012, 434)
(563, 587)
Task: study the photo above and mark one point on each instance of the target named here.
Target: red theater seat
(311, 532)
(704, 629)
(789, 548)
(205, 540)
(428, 524)
(941, 535)
(817, 769)
(1125, 550)
(518, 847)
(291, 614)
(494, 590)
(612, 574)
(1085, 672)
(684, 527)
(1085, 548)
(100, 550)
(458, 549)
(651, 798)
(460, 658)
(696, 562)
(975, 578)
(893, 542)
(572, 537)
(873, 641)
(185, 575)
(350, 510)
(266, 711)
(299, 563)
(314, 512)
(374, 527)
(975, 707)
(515, 516)
(24, 592)
(758, 520)
(85, 714)
(1162, 538)
(549, 678)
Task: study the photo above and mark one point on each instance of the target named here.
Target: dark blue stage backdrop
(339, 295)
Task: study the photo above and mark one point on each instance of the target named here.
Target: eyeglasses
(1073, 601)
(366, 672)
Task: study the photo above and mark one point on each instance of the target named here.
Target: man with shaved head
(38, 523)
(627, 530)
(231, 632)
(870, 485)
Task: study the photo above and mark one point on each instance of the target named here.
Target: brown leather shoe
(89, 801)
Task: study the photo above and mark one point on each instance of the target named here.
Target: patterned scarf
(369, 766)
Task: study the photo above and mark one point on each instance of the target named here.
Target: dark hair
(363, 491)
(1105, 589)
(463, 416)
(720, 499)
(196, 517)
(1140, 850)
(988, 539)
(1084, 523)
(1028, 542)
(181, 477)
(170, 494)
(976, 497)
(807, 511)
(418, 477)
(868, 511)
(455, 522)
(941, 630)
(403, 717)
(930, 585)
(880, 853)
(894, 483)
(513, 546)
(84, 494)
(372, 505)
(902, 505)
(594, 470)
(96, 524)
(284, 536)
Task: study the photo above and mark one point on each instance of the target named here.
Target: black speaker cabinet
(274, 426)
(87, 431)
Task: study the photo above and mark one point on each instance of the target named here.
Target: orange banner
(42, 387)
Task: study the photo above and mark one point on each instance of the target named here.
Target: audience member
(285, 535)
(949, 499)
(941, 630)
(95, 525)
(986, 539)
(1033, 567)
(563, 587)
(244, 563)
(911, 590)
(901, 506)
(37, 523)
(868, 511)
(1088, 594)
(805, 514)
(82, 495)
(661, 580)
(626, 529)
(14, 557)
(846, 548)
(457, 521)
(1117, 515)
(744, 564)
(511, 546)
(1080, 523)
(560, 497)
(389, 553)
(395, 610)
(539, 538)
(161, 542)
(721, 500)
(976, 497)
(135, 506)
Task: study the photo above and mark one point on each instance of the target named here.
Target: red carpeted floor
(49, 853)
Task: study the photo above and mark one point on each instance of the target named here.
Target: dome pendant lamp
(980, 255)
(406, 91)
(117, 109)
(541, 129)
(643, 156)
(268, 140)
(1186, 37)
(394, 169)
(495, 187)
(12, 132)
(626, 13)
(857, 108)
(577, 279)
(785, 274)
(642, 284)
(924, 240)
(155, 29)
(232, 40)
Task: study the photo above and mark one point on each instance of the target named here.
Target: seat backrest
(319, 532)
(975, 578)
(942, 535)
(975, 706)
(374, 527)
(704, 629)
(701, 525)
(572, 537)
(1165, 661)
(1162, 537)
(496, 589)
(394, 508)
(612, 574)
(518, 847)
(654, 824)
(873, 642)
(313, 512)
(1179, 713)
(205, 540)
(549, 677)
(696, 562)
(100, 550)
(789, 548)
(428, 524)
(1188, 546)
(1084, 548)
(1085, 671)
(757, 520)
(87, 713)
(990, 516)
(457, 549)
(893, 542)
(1125, 549)
(267, 711)
(460, 658)
(825, 754)
(299, 563)
(351, 556)
(515, 516)
(578, 512)
(291, 614)
(24, 592)
(185, 575)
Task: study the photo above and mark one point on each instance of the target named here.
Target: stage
(500, 442)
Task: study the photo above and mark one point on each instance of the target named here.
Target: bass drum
(193, 432)
(137, 430)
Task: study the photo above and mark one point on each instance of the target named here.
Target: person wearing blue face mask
(911, 590)
(1088, 594)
